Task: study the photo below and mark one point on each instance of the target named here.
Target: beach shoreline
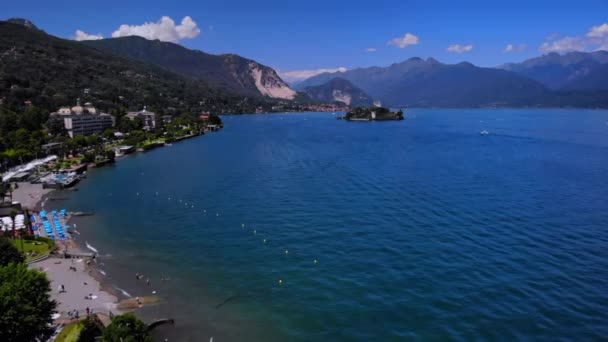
(78, 275)
(74, 288)
(110, 295)
(77, 282)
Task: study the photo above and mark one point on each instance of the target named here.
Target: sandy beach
(79, 285)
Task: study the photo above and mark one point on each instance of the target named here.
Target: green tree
(92, 328)
(88, 157)
(135, 137)
(56, 127)
(9, 253)
(33, 118)
(126, 328)
(26, 308)
(109, 134)
(80, 140)
(111, 155)
(93, 140)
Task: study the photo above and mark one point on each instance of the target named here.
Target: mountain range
(232, 71)
(575, 79)
(570, 71)
(129, 72)
(52, 72)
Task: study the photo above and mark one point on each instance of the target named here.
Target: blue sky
(311, 35)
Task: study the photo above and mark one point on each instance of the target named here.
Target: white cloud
(370, 49)
(565, 44)
(457, 48)
(596, 38)
(405, 41)
(599, 31)
(295, 76)
(81, 35)
(164, 30)
(514, 48)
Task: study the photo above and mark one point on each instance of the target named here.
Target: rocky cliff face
(269, 83)
(232, 71)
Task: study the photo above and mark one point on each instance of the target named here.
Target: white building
(85, 120)
(149, 118)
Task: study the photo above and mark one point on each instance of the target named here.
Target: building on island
(148, 118)
(79, 120)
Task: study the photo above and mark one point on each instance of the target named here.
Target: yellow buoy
(280, 281)
(315, 261)
(286, 252)
(264, 240)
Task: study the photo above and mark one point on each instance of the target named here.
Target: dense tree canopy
(8, 253)
(91, 328)
(126, 328)
(25, 305)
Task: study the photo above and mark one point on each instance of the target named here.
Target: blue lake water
(421, 229)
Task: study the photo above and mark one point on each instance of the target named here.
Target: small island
(372, 114)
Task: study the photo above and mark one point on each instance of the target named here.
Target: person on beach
(148, 281)
(88, 311)
(62, 289)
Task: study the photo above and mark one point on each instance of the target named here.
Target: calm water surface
(421, 229)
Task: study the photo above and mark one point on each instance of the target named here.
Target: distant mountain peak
(23, 22)
(466, 64)
(571, 70)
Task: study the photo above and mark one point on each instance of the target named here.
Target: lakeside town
(79, 138)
